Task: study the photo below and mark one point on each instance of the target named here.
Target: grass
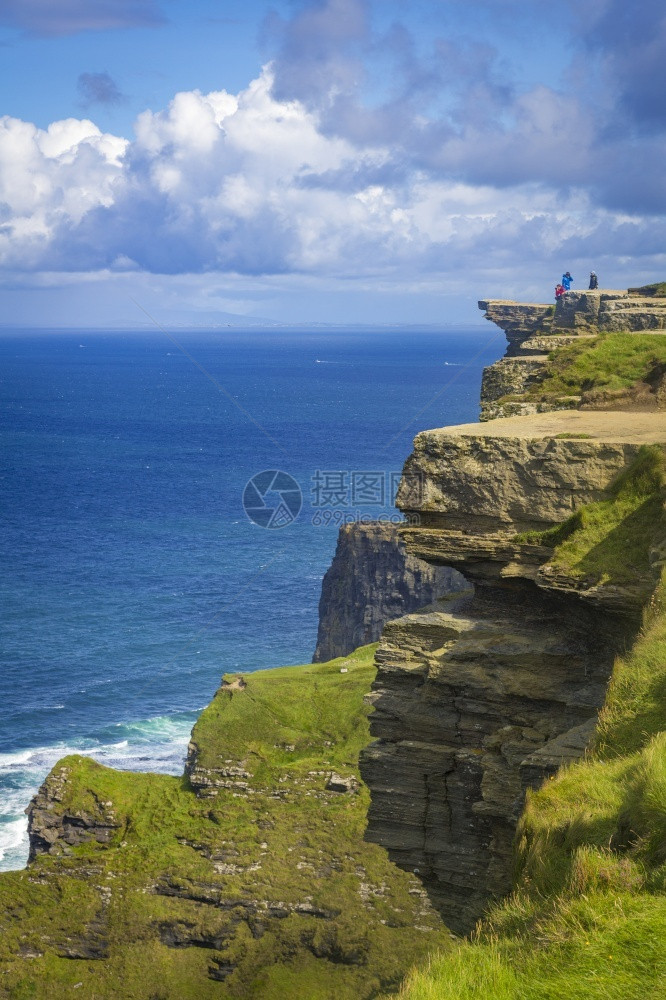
(610, 542)
(569, 435)
(611, 361)
(608, 364)
(190, 878)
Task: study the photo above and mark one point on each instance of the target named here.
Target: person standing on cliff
(594, 281)
(566, 281)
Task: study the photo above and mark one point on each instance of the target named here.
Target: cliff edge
(557, 522)
(371, 580)
(591, 350)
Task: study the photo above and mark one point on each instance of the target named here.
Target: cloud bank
(453, 169)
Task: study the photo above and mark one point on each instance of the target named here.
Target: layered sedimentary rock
(575, 313)
(466, 697)
(532, 330)
(371, 580)
(482, 696)
(54, 831)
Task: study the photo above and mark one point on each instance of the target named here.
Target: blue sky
(324, 160)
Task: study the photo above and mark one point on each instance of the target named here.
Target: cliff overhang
(479, 699)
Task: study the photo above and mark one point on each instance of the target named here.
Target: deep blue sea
(132, 578)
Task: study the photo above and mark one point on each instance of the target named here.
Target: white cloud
(49, 178)
(251, 185)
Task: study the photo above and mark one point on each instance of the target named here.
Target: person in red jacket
(559, 292)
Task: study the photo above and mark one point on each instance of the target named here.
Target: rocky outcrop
(532, 330)
(371, 580)
(519, 320)
(53, 828)
(575, 313)
(513, 475)
(511, 376)
(480, 697)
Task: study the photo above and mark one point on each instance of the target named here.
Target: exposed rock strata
(474, 701)
(574, 314)
(53, 831)
(511, 376)
(481, 478)
(371, 580)
(478, 698)
(532, 330)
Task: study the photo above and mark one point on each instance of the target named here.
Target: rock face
(54, 831)
(574, 314)
(532, 330)
(476, 480)
(479, 697)
(371, 580)
(470, 700)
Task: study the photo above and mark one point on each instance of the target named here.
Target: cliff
(479, 698)
(575, 314)
(250, 876)
(371, 580)
(579, 353)
(587, 917)
(247, 877)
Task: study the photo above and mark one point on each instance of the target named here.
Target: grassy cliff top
(611, 361)
(608, 371)
(261, 886)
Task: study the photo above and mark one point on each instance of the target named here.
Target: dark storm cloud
(98, 88)
(52, 18)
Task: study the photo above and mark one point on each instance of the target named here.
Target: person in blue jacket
(566, 281)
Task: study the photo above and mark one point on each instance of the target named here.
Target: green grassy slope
(601, 368)
(611, 542)
(274, 882)
(587, 920)
(609, 361)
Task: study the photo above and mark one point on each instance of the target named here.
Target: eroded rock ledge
(470, 701)
(479, 698)
(576, 313)
(533, 330)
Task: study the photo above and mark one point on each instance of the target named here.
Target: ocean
(132, 576)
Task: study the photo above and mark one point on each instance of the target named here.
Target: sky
(324, 161)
